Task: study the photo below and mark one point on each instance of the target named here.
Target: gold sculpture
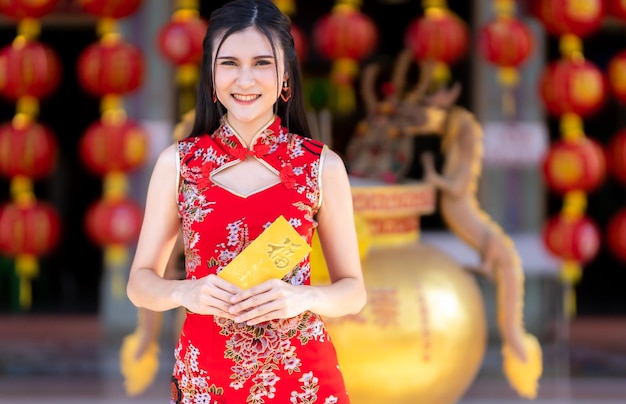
(383, 149)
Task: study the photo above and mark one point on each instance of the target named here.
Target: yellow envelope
(275, 252)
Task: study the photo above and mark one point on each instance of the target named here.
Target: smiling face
(247, 79)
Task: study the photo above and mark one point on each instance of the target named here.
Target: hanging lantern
(29, 150)
(576, 17)
(300, 42)
(28, 69)
(32, 229)
(616, 234)
(578, 165)
(617, 8)
(616, 153)
(113, 146)
(616, 71)
(180, 40)
(439, 35)
(113, 222)
(572, 86)
(345, 34)
(115, 9)
(21, 9)
(505, 42)
(572, 239)
(111, 67)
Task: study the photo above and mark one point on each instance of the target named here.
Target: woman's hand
(209, 295)
(270, 300)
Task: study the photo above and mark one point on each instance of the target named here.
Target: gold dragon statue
(383, 149)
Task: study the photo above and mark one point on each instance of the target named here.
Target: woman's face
(246, 80)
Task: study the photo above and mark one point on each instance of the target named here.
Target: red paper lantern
(617, 8)
(616, 234)
(300, 42)
(110, 8)
(113, 222)
(20, 9)
(441, 36)
(28, 230)
(115, 67)
(576, 17)
(616, 71)
(107, 147)
(616, 152)
(578, 165)
(505, 42)
(572, 239)
(572, 86)
(180, 41)
(30, 151)
(347, 33)
(29, 69)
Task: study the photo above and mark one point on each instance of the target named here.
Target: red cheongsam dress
(279, 361)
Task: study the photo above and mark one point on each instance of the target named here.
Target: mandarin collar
(264, 142)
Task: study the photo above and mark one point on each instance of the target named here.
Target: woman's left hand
(270, 300)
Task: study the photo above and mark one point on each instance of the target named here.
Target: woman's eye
(227, 63)
(263, 62)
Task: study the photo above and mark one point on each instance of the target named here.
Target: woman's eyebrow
(255, 57)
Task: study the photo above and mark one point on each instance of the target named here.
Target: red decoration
(616, 152)
(30, 151)
(30, 69)
(110, 8)
(28, 230)
(616, 71)
(578, 165)
(346, 34)
(572, 239)
(505, 42)
(107, 147)
(300, 42)
(20, 9)
(572, 86)
(617, 8)
(113, 222)
(115, 67)
(616, 234)
(441, 36)
(180, 41)
(576, 17)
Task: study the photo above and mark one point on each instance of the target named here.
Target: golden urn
(422, 335)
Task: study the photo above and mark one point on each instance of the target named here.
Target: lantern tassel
(571, 273)
(116, 256)
(343, 73)
(26, 268)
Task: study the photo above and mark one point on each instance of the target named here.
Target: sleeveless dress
(280, 361)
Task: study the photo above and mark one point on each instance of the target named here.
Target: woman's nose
(245, 77)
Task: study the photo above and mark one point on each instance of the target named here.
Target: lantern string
(21, 186)
(115, 181)
(575, 202)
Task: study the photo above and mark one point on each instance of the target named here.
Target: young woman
(248, 160)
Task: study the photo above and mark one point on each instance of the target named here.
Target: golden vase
(422, 335)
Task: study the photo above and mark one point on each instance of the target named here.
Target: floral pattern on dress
(277, 361)
(265, 349)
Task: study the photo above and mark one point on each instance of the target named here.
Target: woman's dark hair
(236, 16)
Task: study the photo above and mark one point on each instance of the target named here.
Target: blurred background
(90, 91)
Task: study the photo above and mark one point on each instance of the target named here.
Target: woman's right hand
(209, 295)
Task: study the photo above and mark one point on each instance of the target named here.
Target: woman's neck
(248, 132)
